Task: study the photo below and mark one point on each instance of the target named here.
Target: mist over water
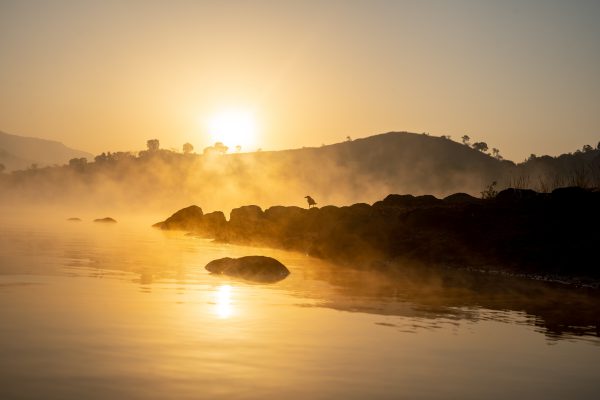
(131, 312)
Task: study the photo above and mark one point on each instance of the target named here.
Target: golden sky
(108, 75)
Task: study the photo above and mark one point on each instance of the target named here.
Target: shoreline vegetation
(518, 232)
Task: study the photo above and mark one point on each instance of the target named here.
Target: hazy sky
(524, 76)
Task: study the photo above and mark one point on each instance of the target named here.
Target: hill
(362, 170)
(393, 162)
(19, 152)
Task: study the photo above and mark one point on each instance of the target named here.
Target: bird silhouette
(311, 201)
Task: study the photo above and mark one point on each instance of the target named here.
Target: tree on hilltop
(187, 148)
(153, 144)
(480, 146)
(78, 164)
(218, 147)
(496, 154)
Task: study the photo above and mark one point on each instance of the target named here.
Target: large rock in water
(193, 219)
(188, 218)
(253, 268)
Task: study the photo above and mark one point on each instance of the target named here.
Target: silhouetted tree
(121, 155)
(348, 138)
(187, 148)
(153, 144)
(447, 137)
(100, 158)
(480, 146)
(587, 148)
(78, 164)
(490, 191)
(496, 154)
(598, 146)
(465, 140)
(238, 148)
(218, 147)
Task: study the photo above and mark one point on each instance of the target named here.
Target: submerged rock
(106, 220)
(252, 268)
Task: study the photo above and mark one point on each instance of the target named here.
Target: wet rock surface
(193, 219)
(253, 268)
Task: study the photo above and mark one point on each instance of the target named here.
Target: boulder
(408, 200)
(253, 268)
(189, 218)
(245, 215)
(515, 195)
(396, 200)
(246, 225)
(281, 214)
(106, 220)
(213, 221)
(570, 194)
(427, 200)
(461, 198)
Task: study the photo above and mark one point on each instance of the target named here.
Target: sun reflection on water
(223, 307)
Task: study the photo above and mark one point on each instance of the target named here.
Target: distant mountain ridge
(19, 152)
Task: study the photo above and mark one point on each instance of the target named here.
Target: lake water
(94, 311)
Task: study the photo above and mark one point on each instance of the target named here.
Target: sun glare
(223, 307)
(233, 128)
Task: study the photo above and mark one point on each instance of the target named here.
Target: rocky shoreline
(520, 232)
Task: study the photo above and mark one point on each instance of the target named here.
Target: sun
(233, 128)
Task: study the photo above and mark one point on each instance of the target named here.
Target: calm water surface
(127, 311)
